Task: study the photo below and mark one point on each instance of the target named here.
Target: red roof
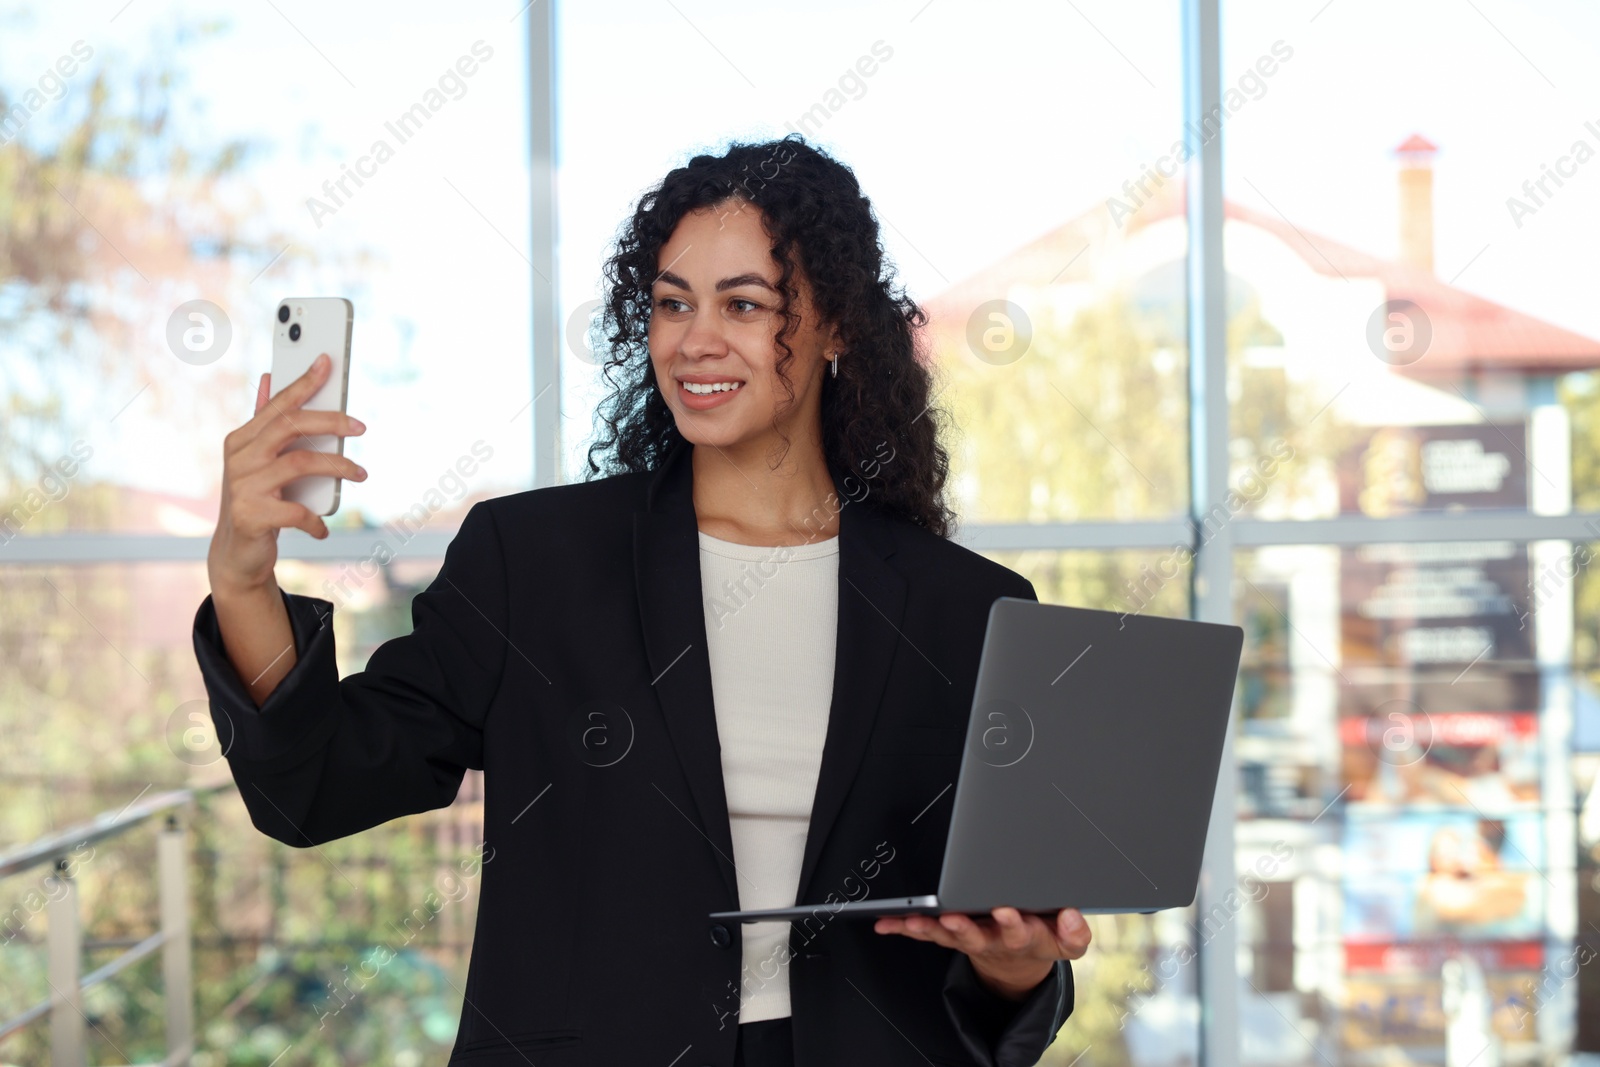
(1470, 333)
(1416, 143)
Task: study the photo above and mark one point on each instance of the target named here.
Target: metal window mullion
(1108, 536)
(1438, 526)
(1067, 536)
(542, 216)
(1208, 466)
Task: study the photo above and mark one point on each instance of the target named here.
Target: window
(1266, 313)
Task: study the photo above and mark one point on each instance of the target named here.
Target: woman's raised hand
(256, 467)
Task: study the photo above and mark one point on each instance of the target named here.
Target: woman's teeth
(715, 387)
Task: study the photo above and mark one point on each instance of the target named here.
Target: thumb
(263, 390)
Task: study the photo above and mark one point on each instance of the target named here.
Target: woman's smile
(703, 392)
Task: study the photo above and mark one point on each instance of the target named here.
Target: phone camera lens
(283, 313)
(294, 332)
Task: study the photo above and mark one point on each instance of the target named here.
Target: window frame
(1212, 573)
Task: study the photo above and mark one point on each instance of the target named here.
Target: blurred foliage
(1111, 983)
(1092, 422)
(261, 992)
(275, 927)
(1580, 395)
(116, 210)
(1079, 427)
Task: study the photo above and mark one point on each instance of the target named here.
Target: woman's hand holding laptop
(1011, 952)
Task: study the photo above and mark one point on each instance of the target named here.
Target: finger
(293, 425)
(1014, 933)
(300, 390)
(305, 461)
(969, 936)
(1041, 933)
(263, 390)
(905, 930)
(273, 514)
(297, 392)
(293, 395)
(311, 523)
(294, 463)
(1073, 932)
(924, 928)
(298, 463)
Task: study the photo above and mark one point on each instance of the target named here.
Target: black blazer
(564, 611)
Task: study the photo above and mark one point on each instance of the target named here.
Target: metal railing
(64, 932)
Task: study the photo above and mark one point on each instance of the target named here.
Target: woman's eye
(743, 306)
(667, 303)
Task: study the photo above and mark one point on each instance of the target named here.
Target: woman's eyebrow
(744, 279)
(734, 282)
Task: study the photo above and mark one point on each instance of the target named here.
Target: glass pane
(102, 704)
(1132, 581)
(1056, 322)
(1416, 753)
(1407, 329)
(218, 153)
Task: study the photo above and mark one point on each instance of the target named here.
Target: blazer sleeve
(322, 757)
(1006, 1033)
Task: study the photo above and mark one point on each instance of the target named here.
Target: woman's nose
(703, 336)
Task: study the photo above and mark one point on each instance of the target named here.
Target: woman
(732, 669)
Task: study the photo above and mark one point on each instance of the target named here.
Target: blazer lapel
(671, 608)
(872, 598)
(666, 562)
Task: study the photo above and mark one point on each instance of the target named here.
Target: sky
(981, 127)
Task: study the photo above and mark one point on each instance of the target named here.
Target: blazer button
(720, 935)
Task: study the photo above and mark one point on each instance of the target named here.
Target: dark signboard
(1400, 470)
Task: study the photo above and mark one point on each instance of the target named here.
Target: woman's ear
(833, 343)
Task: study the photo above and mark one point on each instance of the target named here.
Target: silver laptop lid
(1091, 760)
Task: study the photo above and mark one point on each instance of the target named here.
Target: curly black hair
(879, 424)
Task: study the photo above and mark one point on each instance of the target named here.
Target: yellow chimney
(1416, 201)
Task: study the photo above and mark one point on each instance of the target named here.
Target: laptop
(1091, 760)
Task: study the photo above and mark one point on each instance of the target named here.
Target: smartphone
(304, 328)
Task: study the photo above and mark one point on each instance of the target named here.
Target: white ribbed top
(771, 630)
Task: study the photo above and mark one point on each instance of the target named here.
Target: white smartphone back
(304, 328)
